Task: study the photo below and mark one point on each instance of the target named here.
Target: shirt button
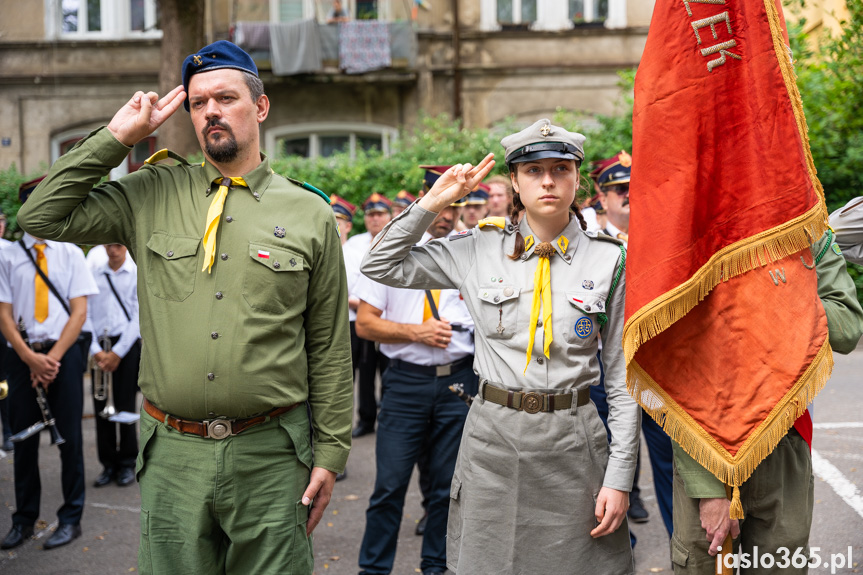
(219, 295)
(567, 257)
(214, 335)
(507, 292)
(224, 256)
(496, 298)
(229, 219)
(211, 376)
(587, 308)
(524, 257)
(539, 323)
(540, 361)
(170, 253)
(257, 195)
(277, 265)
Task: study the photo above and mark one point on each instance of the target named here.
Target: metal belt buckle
(443, 370)
(531, 402)
(219, 428)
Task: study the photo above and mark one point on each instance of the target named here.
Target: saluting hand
(143, 114)
(455, 184)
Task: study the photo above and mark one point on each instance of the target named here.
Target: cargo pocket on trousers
(148, 431)
(300, 439)
(302, 558)
(145, 564)
(679, 553)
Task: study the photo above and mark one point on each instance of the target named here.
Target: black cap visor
(542, 150)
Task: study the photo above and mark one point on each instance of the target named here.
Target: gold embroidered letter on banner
(712, 22)
(688, 2)
(723, 52)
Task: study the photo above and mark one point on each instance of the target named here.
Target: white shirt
(104, 312)
(4, 243)
(613, 231)
(406, 306)
(589, 215)
(67, 270)
(354, 250)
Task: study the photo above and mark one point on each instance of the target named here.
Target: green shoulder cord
(826, 247)
(601, 317)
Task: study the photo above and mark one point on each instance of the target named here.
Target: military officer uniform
(534, 453)
(402, 200)
(228, 356)
(617, 171)
(847, 222)
(113, 314)
(778, 497)
(67, 271)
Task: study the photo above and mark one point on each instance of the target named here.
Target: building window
(325, 139)
(551, 14)
(322, 10)
(103, 19)
(588, 11)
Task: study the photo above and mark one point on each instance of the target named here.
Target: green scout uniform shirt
(844, 325)
(268, 328)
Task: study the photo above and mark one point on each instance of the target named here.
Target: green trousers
(225, 506)
(777, 503)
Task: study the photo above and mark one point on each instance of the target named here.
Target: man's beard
(224, 148)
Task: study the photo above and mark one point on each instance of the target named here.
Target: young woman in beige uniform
(537, 488)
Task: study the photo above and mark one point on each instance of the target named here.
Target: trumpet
(47, 417)
(4, 389)
(103, 382)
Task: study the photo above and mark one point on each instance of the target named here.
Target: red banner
(725, 339)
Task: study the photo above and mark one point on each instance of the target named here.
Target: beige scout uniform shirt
(525, 485)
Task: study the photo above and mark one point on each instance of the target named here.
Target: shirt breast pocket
(171, 267)
(498, 311)
(276, 278)
(580, 317)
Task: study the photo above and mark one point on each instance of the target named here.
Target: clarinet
(42, 399)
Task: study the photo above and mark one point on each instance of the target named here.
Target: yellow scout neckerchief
(213, 215)
(541, 297)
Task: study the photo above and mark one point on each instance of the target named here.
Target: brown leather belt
(532, 401)
(212, 428)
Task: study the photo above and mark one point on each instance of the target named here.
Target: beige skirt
(524, 492)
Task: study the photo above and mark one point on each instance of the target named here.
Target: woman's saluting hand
(455, 184)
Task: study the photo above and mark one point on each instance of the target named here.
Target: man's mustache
(216, 123)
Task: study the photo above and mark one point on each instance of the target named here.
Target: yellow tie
(427, 311)
(541, 298)
(41, 310)
(213, 216)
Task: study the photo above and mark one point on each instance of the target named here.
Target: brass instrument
(4, 389)
(103, 382)
(47, 417)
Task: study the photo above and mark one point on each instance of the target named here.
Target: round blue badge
(583, 327)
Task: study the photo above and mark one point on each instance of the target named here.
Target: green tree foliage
(829, 68)
(10, 181)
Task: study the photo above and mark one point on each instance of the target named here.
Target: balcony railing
(307, 47)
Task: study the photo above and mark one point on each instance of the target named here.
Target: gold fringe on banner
(730, 469)
(756, 251)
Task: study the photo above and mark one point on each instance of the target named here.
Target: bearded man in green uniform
(244, 318)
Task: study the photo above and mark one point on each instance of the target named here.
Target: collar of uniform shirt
(29, 241)
(565, 241)
(258, 179)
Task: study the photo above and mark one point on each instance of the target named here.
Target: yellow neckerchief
(542, 293)
(213, 216)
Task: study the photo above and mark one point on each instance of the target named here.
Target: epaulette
(309, 187)
(496, 222)
(164, 154)
(603, 237)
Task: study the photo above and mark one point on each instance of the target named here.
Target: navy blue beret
(221, 54)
